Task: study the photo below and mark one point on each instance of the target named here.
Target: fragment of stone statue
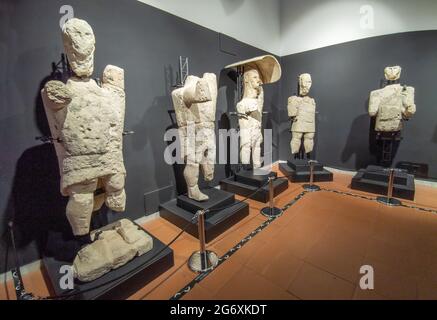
(256, 72)
(113, 247)
(302, 111)
(195, 107)
(392, 104)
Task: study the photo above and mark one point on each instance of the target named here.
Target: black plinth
(374, 179)
(216, 222)
(123, 282)
(245, 183)
(217, 199)
(299, 171)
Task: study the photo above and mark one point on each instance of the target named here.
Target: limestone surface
(195, 106)
(87, 121)
(392, 104)
(302, 111)
(112, 247)
(256, 72)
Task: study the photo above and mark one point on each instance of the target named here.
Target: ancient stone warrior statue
(88, 121)
(256, 72)
(302, 111)
(392, 104)
(195, 106)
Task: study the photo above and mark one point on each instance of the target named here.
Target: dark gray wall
(343, 76)
(146, 42)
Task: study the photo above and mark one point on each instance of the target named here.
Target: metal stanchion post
(311, 187)
(389, 200)
(271, 211)
(203, 260)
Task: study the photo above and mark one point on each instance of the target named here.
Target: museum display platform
(225, 212)
(119, 283)
(245, 183)
(298, 170)
(374, 179)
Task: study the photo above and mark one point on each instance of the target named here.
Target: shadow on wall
(231, 5)
(356, 140)
(228, 80)
(35, 204)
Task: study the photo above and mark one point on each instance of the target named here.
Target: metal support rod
(271, 211)
(389, 200)
(203, 260)
(391, 179)
(311, 187)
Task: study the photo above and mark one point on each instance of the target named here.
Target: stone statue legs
(250, 142)
(81, 206)
(82, 202)
(203, 157)
(308, 141)
(115, 193)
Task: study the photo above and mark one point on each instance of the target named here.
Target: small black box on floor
(119, 283)
(374, 179)
(246, 182)
(298, 170)
(181, 211)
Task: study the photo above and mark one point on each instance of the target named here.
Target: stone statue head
(79, 44)
(196, 90)
(305, 83)
(252, 80)
(392, 73)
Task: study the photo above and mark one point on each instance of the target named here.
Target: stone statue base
(298, 170)
(112, 246)
(180, 212)
(246, 182)
(374, 179)
(120, 282)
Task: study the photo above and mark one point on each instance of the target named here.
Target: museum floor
(313, 251)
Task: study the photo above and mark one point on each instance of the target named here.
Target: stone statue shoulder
(57, 95)
(113, 76)
(247, 105)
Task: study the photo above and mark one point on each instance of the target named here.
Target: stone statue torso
(391, 105)
(90, 129)
(303, 112)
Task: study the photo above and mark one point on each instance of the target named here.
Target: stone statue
(86, 121)
(195, 107)
(256, 72)
(302, 111)
(392, 104)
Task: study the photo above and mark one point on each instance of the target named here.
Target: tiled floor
(314, 251)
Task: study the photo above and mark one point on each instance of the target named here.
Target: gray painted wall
(343, 76)
(146, 42)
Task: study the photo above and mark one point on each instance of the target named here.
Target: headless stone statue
(256, 72)
(87, 123)
(392, 104)
(302, 111)
(195, 107)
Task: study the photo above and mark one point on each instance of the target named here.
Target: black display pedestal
(374, 179)
(245, 183)
(123, 281)
(181, 211)
(298, 170)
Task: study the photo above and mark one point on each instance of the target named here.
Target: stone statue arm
(374, 102)
(409, 107)
(245, 107)
(114, 77)
(292, 107)
(56, 95)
